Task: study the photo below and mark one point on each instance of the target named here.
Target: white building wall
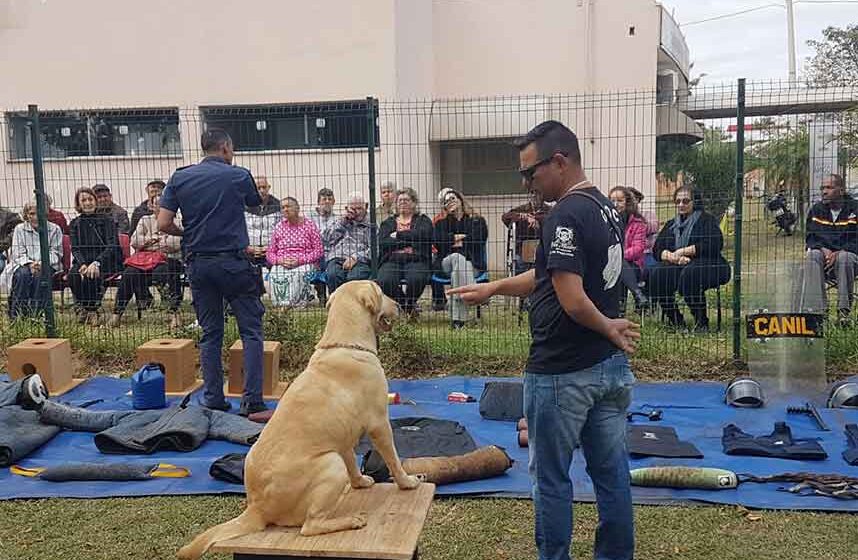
(186, 54)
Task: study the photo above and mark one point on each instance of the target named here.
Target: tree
(784, 157)
(835, 62)
(710, 166)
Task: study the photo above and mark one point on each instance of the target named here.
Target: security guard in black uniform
(211, 196)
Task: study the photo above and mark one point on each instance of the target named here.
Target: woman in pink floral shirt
(294, 253)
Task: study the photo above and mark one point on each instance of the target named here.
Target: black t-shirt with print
(577, 238)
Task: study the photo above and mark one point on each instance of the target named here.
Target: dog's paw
(364, 481)
(408, 482)
(359, 520)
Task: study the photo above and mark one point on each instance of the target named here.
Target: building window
(109, 132)
(294, 126)
(481, 167)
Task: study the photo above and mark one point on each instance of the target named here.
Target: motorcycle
(785, 218)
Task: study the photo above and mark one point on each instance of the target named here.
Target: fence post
(46, 280)
(737, 228)
(371, 115)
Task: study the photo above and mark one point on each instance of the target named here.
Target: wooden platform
(395, 520)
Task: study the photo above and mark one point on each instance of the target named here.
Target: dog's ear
(330, 299)
(370, 297)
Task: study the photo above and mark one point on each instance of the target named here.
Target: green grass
(466, 529)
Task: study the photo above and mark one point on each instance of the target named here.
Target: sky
(753, 45)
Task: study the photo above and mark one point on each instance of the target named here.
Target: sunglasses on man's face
(683, 201)
(527, 173)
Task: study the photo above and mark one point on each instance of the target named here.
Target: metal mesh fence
(437, 201)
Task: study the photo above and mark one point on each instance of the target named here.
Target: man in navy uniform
(211, 196)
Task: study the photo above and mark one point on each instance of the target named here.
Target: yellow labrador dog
(303, 463)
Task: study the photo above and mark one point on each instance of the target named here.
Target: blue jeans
(27, 297)
(586, 408)
(232, 278)
(337, 275)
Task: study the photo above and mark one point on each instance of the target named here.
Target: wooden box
(179, 358)
(272, 388)
(49, 357)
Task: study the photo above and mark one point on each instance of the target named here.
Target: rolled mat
(484, 462)
(101, 471)
(703, 478)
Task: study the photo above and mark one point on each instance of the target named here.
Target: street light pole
(791, 41)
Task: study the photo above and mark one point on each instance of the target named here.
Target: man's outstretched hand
(623, 334)
(473, 294)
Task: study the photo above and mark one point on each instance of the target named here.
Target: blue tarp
(695, 410)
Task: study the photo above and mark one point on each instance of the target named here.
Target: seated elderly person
(261, 221)
(153, 189)
(688, 250)
(387, 208)
(95, 255)
(405, 247)
(25, 264)
(832, 244)
(157, 261)
(104, 199)
(527, 219)
(293, 254)
(348, 240)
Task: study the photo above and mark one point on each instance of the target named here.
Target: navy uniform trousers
(232, 278)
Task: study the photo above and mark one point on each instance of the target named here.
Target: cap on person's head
(100, 187)
(324, 191)
(442, 194)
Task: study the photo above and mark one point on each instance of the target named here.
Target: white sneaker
(33, 392)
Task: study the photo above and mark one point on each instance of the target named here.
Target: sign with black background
(784, 325)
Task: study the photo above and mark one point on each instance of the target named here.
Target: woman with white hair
(25, 264)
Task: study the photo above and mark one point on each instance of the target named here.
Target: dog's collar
(347, 346)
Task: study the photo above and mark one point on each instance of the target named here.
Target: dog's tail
(248, 522)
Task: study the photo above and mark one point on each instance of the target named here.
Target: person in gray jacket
(348, 240)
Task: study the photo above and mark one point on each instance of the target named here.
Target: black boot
(674, 317)
(701, 319)
(642, 303)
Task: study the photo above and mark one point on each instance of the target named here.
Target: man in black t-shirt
(577, 384)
